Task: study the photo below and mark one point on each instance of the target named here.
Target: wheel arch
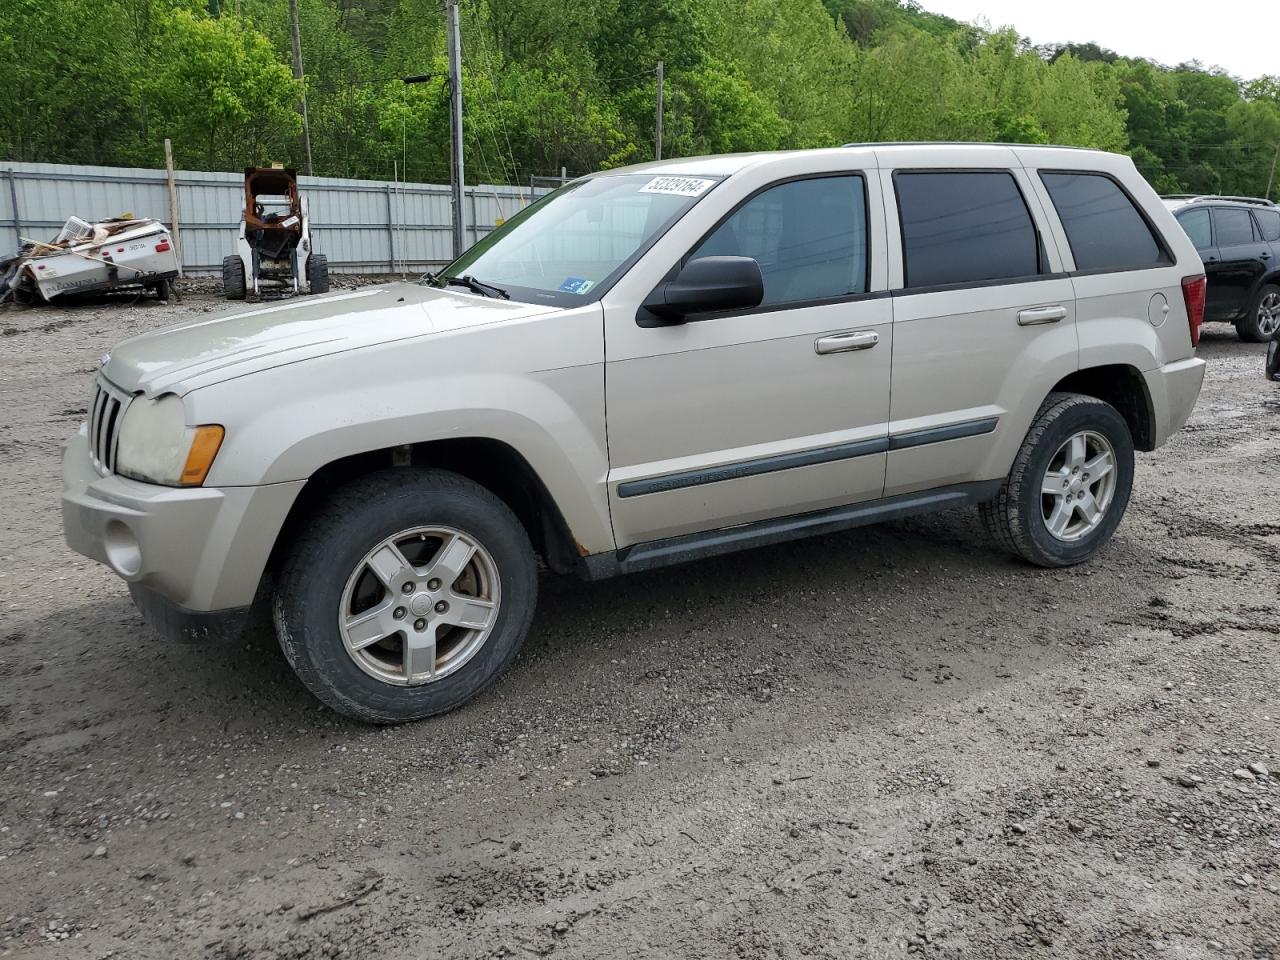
(1122, 386)
(491, 463)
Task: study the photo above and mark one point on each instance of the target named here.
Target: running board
(694, 546)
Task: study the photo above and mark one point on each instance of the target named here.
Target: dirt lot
(887, 742)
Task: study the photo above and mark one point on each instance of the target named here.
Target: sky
(1237, 35)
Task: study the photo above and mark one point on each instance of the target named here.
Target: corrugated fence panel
(362, 226)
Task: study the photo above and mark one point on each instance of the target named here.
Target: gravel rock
(677, 683)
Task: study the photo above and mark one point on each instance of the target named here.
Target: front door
(781, 409)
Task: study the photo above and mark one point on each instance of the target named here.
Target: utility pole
(458, 182)
(1274, 157)
(657, 120)
(298, 75)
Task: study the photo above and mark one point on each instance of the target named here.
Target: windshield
(573, 243)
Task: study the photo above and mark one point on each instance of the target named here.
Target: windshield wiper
(471, 283)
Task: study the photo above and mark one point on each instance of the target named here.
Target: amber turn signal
(204, 447)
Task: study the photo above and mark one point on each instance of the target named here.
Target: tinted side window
(1233, 226)
(1196, 224)
(964, 227)
(809, 237)
(1104, 228)
(1268, 223)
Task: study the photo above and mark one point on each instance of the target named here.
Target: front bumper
(199, 549)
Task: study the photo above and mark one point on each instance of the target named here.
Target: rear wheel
(233, 285)
(1263, 319)
(1069, 485)
(407, 594)
(318, 273)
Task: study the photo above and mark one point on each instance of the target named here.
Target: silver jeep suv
(649, 365)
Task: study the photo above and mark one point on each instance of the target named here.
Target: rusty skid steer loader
(274, 252)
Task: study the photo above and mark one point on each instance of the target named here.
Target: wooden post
(173, 199)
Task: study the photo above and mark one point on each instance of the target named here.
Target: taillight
(1193, 290)
(163, 247)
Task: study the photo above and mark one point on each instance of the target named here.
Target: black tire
(318, 273)
(1014, 519)
(1273, 357)
(353, 521)
(233, 285)
(1248, 326)
(164, 291)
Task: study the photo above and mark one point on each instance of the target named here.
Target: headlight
(157, 446)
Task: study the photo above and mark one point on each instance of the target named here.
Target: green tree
(218, 90)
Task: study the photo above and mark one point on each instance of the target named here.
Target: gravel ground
(873, 744)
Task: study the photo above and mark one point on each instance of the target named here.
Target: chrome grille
(106, 412)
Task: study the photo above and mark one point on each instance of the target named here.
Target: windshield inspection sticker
(680, 186)
(576, 285)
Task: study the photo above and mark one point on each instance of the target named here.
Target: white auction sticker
(680, 186)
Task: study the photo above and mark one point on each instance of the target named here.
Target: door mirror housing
(705, 285)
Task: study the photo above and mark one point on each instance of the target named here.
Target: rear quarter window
(1268, 223)
(1103, 226)
(964, 227)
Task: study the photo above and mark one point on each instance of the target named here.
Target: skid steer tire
(318, 273)
(233, 286)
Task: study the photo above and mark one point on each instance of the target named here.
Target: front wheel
(407, 594)
(1069, 485)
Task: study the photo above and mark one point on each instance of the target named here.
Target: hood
(210, 349)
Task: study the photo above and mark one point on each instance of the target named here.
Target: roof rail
(1206, 197)
(964, 143)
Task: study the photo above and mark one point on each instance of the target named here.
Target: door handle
(1038, 315)
(844, 342)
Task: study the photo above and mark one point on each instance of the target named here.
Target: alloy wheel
(1269, 314)
(1078, 486)
(419, 605)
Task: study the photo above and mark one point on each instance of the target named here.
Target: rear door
(983, 320)
(1242, 258)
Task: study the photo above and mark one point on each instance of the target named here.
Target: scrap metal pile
(86, 257)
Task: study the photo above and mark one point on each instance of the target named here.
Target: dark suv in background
(1238, 239)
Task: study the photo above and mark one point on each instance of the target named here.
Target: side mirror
(705, 285)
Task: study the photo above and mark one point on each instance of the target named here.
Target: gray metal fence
(362, 226)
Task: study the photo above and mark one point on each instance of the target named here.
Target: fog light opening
(123, 552)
